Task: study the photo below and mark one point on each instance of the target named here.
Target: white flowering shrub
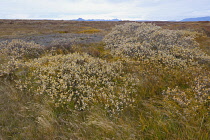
(10, 51)
(78, 81)
(19, 49)
(191, 100)
(149, 42)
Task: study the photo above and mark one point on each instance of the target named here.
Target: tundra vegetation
(142, 81)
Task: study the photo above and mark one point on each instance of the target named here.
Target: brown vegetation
(141, 81)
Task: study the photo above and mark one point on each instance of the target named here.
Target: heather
(141, 82)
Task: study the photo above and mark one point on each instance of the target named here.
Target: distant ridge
(81, 19)
(207, 18)
(197, 19)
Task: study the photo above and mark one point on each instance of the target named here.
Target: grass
(89, 30)
(204, 42)
(18, 28)
(159, 110)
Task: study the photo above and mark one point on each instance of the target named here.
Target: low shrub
(174, 48)
(11, 51)
(77, 81)
(19, 49)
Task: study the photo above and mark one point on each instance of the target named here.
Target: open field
(104, 80)
(30, 30)
(27, 27)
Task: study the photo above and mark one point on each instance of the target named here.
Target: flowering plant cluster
(187, 103)
(148, 42)
(164, 51)
(19, 49)
(78, 80)
(148, 56)
(10, 51)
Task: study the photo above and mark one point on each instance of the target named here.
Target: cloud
(122, 9)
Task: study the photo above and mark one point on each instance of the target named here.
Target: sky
(161, 10)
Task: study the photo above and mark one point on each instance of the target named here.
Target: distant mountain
(197, 19)
(81, 19)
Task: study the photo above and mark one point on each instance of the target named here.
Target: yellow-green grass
(89, 31)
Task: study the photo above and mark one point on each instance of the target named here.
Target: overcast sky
(104, 9)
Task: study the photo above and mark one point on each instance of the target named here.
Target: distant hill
(197, 19)
(81, 19)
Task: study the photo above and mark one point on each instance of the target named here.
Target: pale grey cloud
(122, 9)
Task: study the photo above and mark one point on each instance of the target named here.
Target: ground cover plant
(142, 81)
